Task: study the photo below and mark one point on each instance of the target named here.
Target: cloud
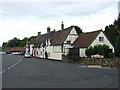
(25, 19)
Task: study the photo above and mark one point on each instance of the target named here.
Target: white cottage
(29, 46)
(91, 39)
(55, 43)
(61, 41)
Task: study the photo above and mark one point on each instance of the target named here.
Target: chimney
(62, 26)
(48, 29)
(39, 33)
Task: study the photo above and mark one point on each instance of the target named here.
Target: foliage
(118, 24)
(112, 31)
(72, 56)
(111, 55)
(90, 51)
(117, 46)
(16, 42)
(97, 49)
(78, 29)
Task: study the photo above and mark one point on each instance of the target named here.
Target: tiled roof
(42, 39)
(60, 36)
(16, 49)
(32, 41)
(85, 39)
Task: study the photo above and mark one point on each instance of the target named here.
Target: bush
(75, 58)
(90, 51)
(97, 49)
(111, 55)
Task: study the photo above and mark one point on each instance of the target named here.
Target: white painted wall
(82, 52)
(54, 55)
(72, 36)
(106, 41)
(31, 49)
(26, 50)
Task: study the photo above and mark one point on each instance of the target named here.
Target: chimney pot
(62, 26)
(39, 33)
(48, 29)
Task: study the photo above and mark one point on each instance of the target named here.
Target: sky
(24, 18)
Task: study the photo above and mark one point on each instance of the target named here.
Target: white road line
(8, 68)
(12, 65)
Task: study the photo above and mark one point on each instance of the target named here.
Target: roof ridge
(93, 31)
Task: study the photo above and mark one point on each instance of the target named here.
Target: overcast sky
(25, 19)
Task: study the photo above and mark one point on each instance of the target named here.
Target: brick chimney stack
(62, 26)
(39, 33)
(48, 29)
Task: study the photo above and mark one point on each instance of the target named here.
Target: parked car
(2, 53)
(27, 55)
(15, 53)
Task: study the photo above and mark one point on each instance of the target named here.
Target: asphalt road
(23, 72)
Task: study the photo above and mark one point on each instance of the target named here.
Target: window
(101, 39)
(68, 42)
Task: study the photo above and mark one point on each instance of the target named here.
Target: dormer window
(68, 42)
(101, 39)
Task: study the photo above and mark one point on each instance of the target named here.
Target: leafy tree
(78, 29)
(112, 32)
(14, 42)
(117, 46)
(118, 24)
(5, 45)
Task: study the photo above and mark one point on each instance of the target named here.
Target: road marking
(106, 76)
(12, 65)
(8, 68)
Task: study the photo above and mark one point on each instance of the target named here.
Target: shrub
(90, 51)
(111, 55)
(97, 49)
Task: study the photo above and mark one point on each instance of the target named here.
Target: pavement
(23, 72)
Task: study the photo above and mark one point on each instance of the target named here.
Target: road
(20, 72)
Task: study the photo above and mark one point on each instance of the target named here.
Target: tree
(78, 29)
(14, 42)
(112, 30)
(117, 47)
(118, 24)
(5, 45)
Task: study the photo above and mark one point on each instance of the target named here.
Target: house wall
(54, 54)
(42, 52)
(31, 48)
(106, 41)
(27, 48)
(95, 42)
(71, 37)
(36, 52)
(82, 52)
